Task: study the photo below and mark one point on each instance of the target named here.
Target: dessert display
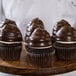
(40, 52)
(57, 27)
(10, 41)
(35, 23)
(65, 44)
(39, 56)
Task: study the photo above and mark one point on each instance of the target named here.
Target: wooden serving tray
(22, 67)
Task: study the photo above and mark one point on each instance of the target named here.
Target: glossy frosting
(9, 32)
(35, 23)
(66, 34)
(40, 38)
(60, 24)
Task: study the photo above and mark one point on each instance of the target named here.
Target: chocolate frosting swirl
(66, 33)
(40, 38)
(60, 24)
(9, 32)
(35, 23)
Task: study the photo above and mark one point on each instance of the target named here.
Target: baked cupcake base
(65, 51)
(40, 57)
(10, 52)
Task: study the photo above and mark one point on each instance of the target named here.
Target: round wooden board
(22, 67)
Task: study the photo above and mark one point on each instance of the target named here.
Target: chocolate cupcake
(10, 41)
(66, 43)
(35, 23)
(40, 49)
(57, 27)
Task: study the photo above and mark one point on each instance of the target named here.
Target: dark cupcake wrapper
(65, 53)
(53, 39)
(39, 50)
(10, 52)
(41, 59)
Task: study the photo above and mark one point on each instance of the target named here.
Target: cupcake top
(40, 38)
(35, 23)
(9, 32)
(59, 25)
(7, 21)
(66, 34)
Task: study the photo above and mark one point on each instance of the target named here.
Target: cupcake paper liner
(53, 39)
(44, 59)
(10, 52)
(65, 53)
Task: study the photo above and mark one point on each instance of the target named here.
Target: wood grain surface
(22, 67)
